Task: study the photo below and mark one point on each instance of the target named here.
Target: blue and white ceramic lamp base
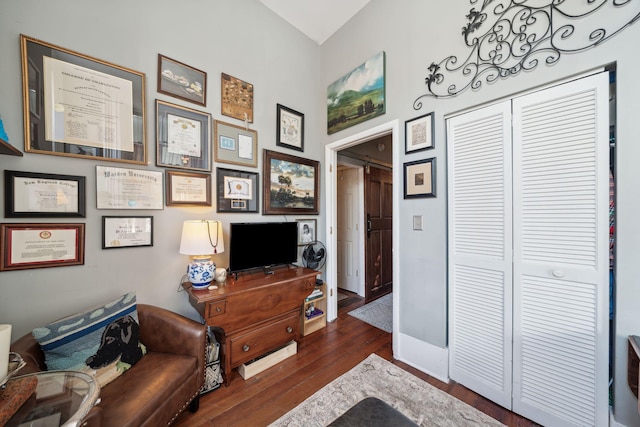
(201, 272)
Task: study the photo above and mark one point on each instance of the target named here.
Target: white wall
(415, 33)
(243, 39)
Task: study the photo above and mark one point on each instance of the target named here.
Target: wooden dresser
(255, 313)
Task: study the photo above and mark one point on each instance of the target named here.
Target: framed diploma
(79, 106)
(234, 144)
(120, 188)
(183, 137)
(237, 191)
(188, 189)
(29, 194)
(126, 231)
(26, 246)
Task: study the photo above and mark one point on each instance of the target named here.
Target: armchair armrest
(164, 331)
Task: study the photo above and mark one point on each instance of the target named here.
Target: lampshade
(201, 237)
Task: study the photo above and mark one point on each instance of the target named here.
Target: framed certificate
(188, 189)
(120, 188)
(26, 246)
(79, 106)
(126, 231)
(30, 194)
(183, 137)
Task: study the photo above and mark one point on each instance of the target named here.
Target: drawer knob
(218, 309)
(289, 329)
(245, 347)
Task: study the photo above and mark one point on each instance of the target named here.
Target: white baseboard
(423, 356)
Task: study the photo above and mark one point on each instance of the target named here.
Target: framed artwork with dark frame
(420, 178)
(290, 184)
(419, 134)
(235, 144)
(183, 137)
(237, 191)
(43, 195)
(188, 188)
(182, 81)
(126, 231)
(237, 98)
(290, 128)
(78, 106)
(32, 245)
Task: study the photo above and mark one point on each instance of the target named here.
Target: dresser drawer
(215, 308)
(259, 341)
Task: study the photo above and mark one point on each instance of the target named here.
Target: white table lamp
(201, 239)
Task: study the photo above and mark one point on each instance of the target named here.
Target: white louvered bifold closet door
(561, 258)
(479, 203)
(528, 252)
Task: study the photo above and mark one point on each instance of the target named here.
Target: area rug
(416, 399)
(378, 313)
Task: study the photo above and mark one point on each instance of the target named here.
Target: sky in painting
(366, 77)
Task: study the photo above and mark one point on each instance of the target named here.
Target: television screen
(262, 244)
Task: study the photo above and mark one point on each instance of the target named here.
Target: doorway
(331, 181)
(364, 218)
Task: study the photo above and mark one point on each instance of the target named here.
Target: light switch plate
(417, 222)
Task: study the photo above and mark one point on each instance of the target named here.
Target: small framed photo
(188, 189)
(182, 81)
(237, 191)
(126, 231)
(290, 133)
(26, 246)
(235, 144)
(237, 98)
(420, 178)
(419, 134)
(183, 137)
(43, 195)
(306, 231)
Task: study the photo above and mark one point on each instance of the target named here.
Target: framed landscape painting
(290, 184)
(357, 96)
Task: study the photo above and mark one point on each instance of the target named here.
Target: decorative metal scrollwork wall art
(510, 36)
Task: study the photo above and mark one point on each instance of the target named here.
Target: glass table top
(61, 398)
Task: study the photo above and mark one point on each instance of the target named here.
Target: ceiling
(318, 19)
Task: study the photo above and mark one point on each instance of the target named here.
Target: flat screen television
(262, 245)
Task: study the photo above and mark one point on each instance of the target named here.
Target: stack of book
(317, 293)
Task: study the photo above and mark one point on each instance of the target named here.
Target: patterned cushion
(103, 340)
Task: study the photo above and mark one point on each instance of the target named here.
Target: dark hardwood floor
(321, 357)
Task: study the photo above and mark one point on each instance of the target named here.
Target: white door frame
(331, 162)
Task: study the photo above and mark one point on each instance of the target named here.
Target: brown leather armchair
(166, 381)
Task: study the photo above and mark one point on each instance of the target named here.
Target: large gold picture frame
(78, 106)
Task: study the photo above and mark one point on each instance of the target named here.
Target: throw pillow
(102, 341)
